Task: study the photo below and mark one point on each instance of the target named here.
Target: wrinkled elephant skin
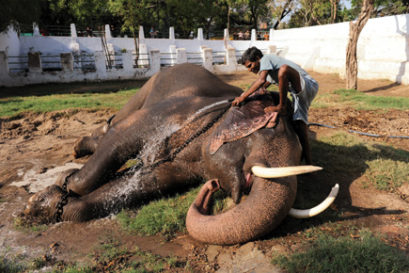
(169, 109)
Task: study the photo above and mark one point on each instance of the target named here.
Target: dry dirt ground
(33, 147)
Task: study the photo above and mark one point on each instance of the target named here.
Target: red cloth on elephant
(242, 121)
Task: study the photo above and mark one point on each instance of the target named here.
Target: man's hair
(252, 54)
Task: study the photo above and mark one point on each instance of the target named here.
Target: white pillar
(155, 61)
(181, 56)
(270, 36)
(100, 65)
(226, 35)
(200, 34)
(141, 35)
(207, 58)
(108, 35)
(4, 68)
(231, 57)
(73, 31)
(127, 62)
(171, 33)
(253, 35)
(36, 30)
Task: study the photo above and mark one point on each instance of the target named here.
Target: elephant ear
(241, 121)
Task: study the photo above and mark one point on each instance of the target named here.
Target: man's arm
(286, 74)
(256, 85)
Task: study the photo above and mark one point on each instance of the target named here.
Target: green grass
(15, 105)
(382, 165)
(166, 216)
(367, 102)
(344, 254)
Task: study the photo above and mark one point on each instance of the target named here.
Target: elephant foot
(42, 206)
(203, 197)
(85, 146)
(65, 175)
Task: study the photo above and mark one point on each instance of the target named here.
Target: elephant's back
(186, 80)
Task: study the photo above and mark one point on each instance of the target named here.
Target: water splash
(149, 153)
(205, 108)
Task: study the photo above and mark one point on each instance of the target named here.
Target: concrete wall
(383, 48)
(383, 53)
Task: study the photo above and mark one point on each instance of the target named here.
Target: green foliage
(367, 102)
(381, 7)
(19, 12)
(313, 12)
(343, 254)
(14, 105)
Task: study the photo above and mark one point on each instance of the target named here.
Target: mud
(35, 147)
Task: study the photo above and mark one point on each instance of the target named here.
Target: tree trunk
(334, 5)
(284, 13)
(355, 29)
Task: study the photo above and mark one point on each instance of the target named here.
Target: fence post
(143, 49)
(100, 65)
(253, 35)
(231, 57)
(270, 37)
(181, 56)
(155, 61)
(73, 31)
(200, 34)
(127, 61)
(34, 62)
(171, 33)
(67, 63)
(108, 35)
(4, 68)
(36, 30)
(207, 58)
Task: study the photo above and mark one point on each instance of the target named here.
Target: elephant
(180, 128)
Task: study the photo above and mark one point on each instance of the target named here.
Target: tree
(315, 12)
(355, 28)
(382, 7)
(280, 9)
(19, 12)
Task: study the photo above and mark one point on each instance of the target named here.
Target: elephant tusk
(307, 213)
(265, 172)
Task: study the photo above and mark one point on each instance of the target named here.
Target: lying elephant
(181, 128)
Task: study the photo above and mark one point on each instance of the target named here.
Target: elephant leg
(85, 146)
(88, 144)
(122, 142)
(123, 192)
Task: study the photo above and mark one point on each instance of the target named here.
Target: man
(289, 77)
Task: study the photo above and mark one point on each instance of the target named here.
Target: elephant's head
(266, 162)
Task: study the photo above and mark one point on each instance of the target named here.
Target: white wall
(383, 48)
(383, 51)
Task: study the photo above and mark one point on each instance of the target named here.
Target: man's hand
(237, 101)
(279, 109)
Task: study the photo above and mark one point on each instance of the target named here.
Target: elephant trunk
(265, 207)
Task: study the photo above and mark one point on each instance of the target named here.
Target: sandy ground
(34, 148)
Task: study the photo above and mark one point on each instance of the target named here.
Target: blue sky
(346, 3)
